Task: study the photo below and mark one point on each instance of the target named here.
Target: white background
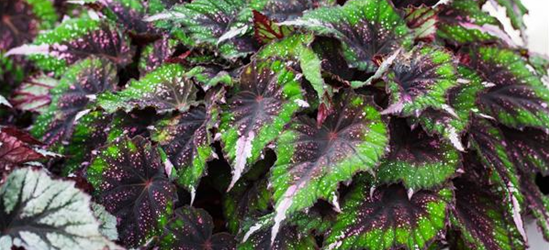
(537, 31)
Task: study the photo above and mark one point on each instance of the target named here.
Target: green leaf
(313, 160)
(417, 160)
(367, 29)
(259, 106)
(516, 97)
(420, 79)
(40, 213)
(387, 218)
(166, 89)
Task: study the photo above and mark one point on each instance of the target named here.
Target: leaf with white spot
(517, 97)
(41, 213)
(388, 219)
(74, 96)
(366, 28)
(258, 108)
(77, 39)
(464, 22)
(417, 160)
(219, 24)
(297, 233)
(186, 141)
(420, 79)
(452, 122)
(166, 89)
(313, 160)
(192, 228)
(479, 217)
(130, 182)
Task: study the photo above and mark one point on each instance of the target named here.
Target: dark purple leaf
(528, 149)
(131, 184)
(415, 3)
(18, 24)
(16, 148)
(191, 229)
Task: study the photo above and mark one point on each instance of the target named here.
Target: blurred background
(537, 22)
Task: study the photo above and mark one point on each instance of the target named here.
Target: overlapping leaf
(186, 141)
(16, 148)
(463, 22)
(517, 97)
(131, 183)
(76, 39)
(536, 201)
(73, 97)
(453, 122)
(388, 219)
(259, 106)
(284, 10)
(367, 29)
(312, 159)
(220, 24)
(192, 228)
(246, 199)
(417, 160)
(165, 89)
(40, 213)
(33, 94)
(527, 149)
(420, 79)
(480, 218)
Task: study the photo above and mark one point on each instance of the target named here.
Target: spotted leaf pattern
(367, 29)
(186, 141)
(313, 160)
(417, 160)
(482, 222)
(41, 213)
(166, 89)
(131, 183)
(388, 219)
(218, 24)
(74, 97)
(517, 97)
(259, 106)
(77, 39)
(191, 228)
(420, 79)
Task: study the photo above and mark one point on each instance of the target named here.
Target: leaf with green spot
(420, 79)
(155, 54)
(73, 97)
(313, 160)
(192, 228)
(517, 96)
(480, 218)
(130, 182)
(41, 213)
(388, 218)
(219, 24)
(417, 160)
(186, 141)
(165, 89)
(464, 22)
(367, 29)
(259, 106)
